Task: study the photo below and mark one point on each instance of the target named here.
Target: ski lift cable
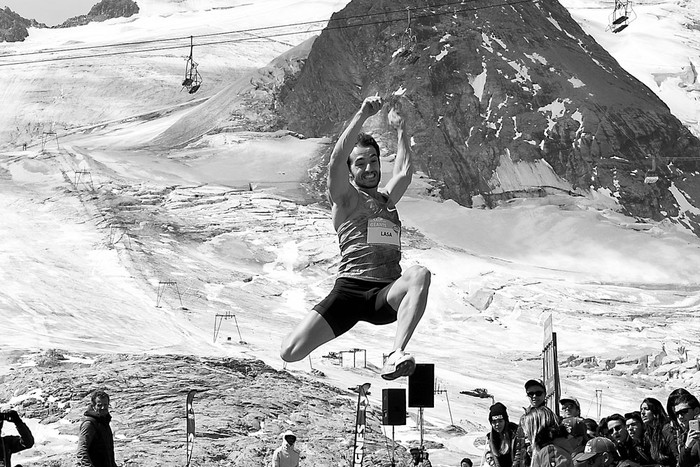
(261, 28)
(251, 30)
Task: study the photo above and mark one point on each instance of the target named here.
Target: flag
(190, 426)
(358, 454)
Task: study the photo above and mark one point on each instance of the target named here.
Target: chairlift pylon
(193, 80)
(622, 16)
(652, 176)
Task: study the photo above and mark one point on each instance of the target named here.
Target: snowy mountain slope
(90, 228)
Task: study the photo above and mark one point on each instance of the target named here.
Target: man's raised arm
(403, 166)
(338, 180)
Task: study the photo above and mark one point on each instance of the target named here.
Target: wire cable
(249, 30)
(237, 40)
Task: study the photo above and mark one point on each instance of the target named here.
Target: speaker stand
(420, 417)
(393, 448)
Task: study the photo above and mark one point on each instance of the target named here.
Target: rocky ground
(241, 408)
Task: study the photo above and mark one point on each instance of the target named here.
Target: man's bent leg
(409, 296)
(311, 333)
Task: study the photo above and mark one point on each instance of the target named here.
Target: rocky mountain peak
(13, 27)
(504, 99)
(102, 11)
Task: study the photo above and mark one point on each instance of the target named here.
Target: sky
(49, 12)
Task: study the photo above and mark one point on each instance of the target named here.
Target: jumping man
(370, 286)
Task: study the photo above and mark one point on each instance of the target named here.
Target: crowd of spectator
(654, 435)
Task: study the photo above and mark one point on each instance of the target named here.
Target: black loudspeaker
(420, 386)
(393, 406)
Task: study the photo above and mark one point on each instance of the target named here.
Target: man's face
(489, 459)
(364, 167)
(464, 464)
(634, 429)
(685, 413)
(102, 405)
(536, 395)
(617, 431)
(569, 409)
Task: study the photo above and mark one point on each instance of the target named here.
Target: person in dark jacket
(625, 445)
(96, 442)
(687, 409)
(501, 439)
(678, 430)
(659, 439)
(12, 444)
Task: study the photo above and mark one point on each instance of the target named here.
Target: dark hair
(98, 394)
(467, 460)
(676, 396)
(615, 416)
(653, 431)
(635, 415)
(365, 140)
(656, 408)
(591, 425)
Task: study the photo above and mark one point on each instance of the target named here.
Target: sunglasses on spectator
(683, 412)
(535, 393)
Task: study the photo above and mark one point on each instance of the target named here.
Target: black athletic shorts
(353, 300)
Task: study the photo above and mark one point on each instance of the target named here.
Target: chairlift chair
(193, 80)
(622, 15)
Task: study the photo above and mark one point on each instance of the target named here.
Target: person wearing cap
(502, 437)
(599, 452)
(536, 394)
(549, 441)
(569, 407)
(624, 444)
(286, 455)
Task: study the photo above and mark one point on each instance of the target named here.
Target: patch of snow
(443, 53)
(478, 83)
(576, 83)
(535, 57)
(555, 23)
